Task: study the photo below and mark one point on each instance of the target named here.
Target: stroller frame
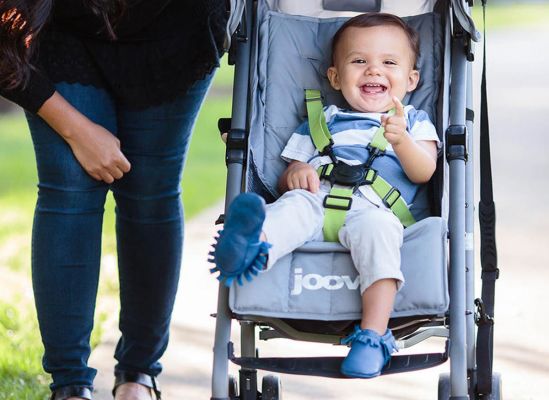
(460, 331)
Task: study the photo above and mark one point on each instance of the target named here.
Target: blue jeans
(66, 238)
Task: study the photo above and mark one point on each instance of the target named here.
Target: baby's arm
(418, 158)
(299, 175)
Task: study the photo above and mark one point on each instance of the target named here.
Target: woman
(111, 90)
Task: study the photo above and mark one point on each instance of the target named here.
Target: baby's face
(371, 65)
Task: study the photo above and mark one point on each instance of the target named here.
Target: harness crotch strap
(344, 178)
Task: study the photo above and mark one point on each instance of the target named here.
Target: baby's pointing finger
(399, 108)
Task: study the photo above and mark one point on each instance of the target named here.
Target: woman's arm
(95, 148)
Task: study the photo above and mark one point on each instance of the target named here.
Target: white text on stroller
(316, 282)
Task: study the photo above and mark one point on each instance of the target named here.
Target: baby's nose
(373, 69)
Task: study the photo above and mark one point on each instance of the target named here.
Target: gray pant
(373, 234)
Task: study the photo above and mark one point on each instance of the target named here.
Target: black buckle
(386, 197)
(347, 175)
(374, 153)
(490, 275)
(365, 180)
(336, 207)
(329, 151)
(481, 317)
(323, 173)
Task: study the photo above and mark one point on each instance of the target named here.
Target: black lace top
(162, 47)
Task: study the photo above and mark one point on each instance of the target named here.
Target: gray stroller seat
(319, 281)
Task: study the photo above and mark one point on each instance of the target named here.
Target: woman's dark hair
(21, 22)
(379, 19)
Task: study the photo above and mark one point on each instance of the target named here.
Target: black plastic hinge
(236, 146)
(466, 39)
(240, 36)
(469, 49)
(224, 125)
(481, 316)
(456, 142)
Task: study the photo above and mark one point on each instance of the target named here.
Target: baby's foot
(239, 250)
(369, 353)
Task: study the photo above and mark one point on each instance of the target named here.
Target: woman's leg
(66, 242)
(149, 225)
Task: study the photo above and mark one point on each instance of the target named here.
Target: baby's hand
(395, 125)
(301, 175)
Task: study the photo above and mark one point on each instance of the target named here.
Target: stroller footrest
(329, 366)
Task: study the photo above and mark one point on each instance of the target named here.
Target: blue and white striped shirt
(352, 132)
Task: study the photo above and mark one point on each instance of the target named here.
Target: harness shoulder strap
(320, 134)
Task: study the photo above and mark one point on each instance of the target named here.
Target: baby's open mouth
(373, 88)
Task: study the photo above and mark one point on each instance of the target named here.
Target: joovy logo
(316, 282)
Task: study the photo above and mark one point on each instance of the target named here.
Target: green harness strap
(322, 138)
(339, 200)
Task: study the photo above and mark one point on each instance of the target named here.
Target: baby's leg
(295, 218)
(374, 237)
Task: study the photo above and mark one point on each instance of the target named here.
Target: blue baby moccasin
(238, 251)
(369, 353)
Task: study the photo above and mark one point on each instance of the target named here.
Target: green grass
(205, 172)
(501, 16)
(21, 375)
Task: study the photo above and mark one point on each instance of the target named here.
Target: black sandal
(84, 392)
(121, 377)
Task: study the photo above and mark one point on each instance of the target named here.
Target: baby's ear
(333, 77)
(413, 80)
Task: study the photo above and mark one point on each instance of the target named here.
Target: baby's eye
(359, 61)
(390, 62)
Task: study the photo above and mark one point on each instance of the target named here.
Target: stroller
(281, 48)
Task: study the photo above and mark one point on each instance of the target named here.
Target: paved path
(518, 84)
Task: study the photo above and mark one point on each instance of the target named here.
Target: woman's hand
(300, 175)
(96, 149)
(98, 152)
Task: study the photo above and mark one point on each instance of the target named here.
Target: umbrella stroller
(281, 48)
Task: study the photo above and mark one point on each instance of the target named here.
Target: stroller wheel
(496, 387)
(233, 388)
(271, 388)
(444, 387)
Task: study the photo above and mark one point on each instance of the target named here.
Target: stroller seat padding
(323, 285)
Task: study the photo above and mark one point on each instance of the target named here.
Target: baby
(373, 65)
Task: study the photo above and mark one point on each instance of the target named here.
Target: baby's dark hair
(379, 19)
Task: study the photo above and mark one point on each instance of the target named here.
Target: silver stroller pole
(456, 153)
(469, 228)
(235, 159)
